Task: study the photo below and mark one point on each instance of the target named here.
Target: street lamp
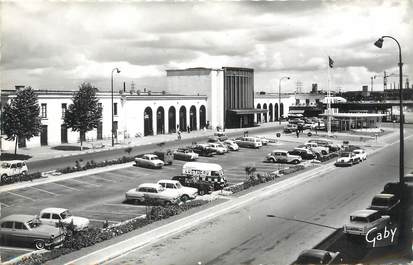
(379, 44)
(111, 86)
(279, 96)
(372, 78)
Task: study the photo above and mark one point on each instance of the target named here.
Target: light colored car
(318, 256)
(153, 192)
(317, 148)
(263, 140)
(219, 149)
(250, 142)
(185, 154)
(231, 145)
(282, 156)
(347, 159)
(55, 216)
(149, 160)
(186, 193)
(362, 221)
(385, 203)
(28, 229)
(361, 154)
(12, 168)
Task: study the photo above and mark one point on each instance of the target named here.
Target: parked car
(12, 168)
(153, 193)
(347, 159)
(166, 156)
(317, 148)
(318, 256)
(210, 172)
(361, 154)
(203, 150)
(203, 187)
(282, 156)
(332, 147)
(263, 140)
(249, 142)
(363, 221)
(28, 229)
(148, 160)
(54, 216)
(186, 193)
(304, 153)
(185, 154)
(221, 136)
(384, 203)
(220, 150)
(231, 145)
(290, 128)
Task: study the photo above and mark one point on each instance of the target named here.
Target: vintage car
(186, 193)
(361, 154)
(304, 153)
(29, 230)
(318, 256)
(290, 128)
(347, 159)
(384, 203)
(231, 145)
(203, 187)
(363, 221)
(250, 142)
(153, 193)
(12, 168)
(148, 160)
(56, 216)
(263, 140)
(185, 154)
(219, 149)
(324, 150)
(221, 136)
(282, 156)
(203, 150)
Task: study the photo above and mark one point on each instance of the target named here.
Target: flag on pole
(330, 62)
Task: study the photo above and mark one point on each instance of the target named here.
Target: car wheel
(184, 198)
(272, 160)
(201, 192)
(167, 203)
(39, 244)
(24, 173)
(296, 162)
(4, 178)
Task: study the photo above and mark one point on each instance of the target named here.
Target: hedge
(20, 177)
(92, 164)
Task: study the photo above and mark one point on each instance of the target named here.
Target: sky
(58, 45)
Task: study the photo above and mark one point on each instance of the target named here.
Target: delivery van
(209, 172)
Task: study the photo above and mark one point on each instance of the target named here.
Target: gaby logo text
(375, 237)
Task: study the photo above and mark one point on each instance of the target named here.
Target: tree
(250, 170)
(20, 119)
(83, 114)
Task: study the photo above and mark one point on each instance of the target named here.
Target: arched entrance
(160, 121)
(202, 116)
(271, 112)
(259, 114)
(147, 120)
(172, 119)
(192, 118)
(276, 111)
(265, 114)
(281, 110)
(182, 118)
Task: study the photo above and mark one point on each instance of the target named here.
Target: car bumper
(343, 163)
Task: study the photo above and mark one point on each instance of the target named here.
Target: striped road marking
(67, 187)
(84, 182)
(98, 177)
(22, 196)
(42, 190)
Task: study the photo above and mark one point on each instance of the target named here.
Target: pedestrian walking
(188, 129)
(179, 135)
(297, 132)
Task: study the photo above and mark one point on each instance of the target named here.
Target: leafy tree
(84, 114)
(250, 170)
(20, 119)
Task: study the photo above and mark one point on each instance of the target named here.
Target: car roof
(358, 150)
(149, 185)
(279, 150)
(168, 181)
(314, 253)
(13, 161)
(18, 218)
(384, 196)
(202, 166)
(151, 155)
(363, 213)
(54, 210)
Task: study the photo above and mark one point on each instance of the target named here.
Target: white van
(250, 142)
(209, 172)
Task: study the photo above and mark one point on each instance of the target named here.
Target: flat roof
(248, 111)
(355, 115)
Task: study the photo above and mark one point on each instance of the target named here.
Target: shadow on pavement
(8, 157)
(68, 148)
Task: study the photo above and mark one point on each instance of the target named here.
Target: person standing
(188, 129)
(297, 132)
(179, 135)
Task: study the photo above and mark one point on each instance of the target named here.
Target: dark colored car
(203, 150)
(305, 154)
(318, 256)
(28, 230)
(386, 204)
(203, 187)
(166, 156)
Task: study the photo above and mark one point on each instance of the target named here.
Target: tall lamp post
(111, 86)
(372, 78)
(379, 44)
(279, 96)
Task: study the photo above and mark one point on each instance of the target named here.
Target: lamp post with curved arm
(111, 86)
(379, 44)
(279, 96)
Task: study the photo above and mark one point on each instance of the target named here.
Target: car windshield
(358, 219)
(308, 260)
(34, 223)
(178, 186)
(65, 214)
(5, 165)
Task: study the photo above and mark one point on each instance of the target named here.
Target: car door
(6, 231)
(55, 218)
(46, 218)
(13, 169)
(21, 233)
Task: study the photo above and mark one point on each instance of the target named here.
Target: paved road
(62, 162)
(101, 196)
(275, 229)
